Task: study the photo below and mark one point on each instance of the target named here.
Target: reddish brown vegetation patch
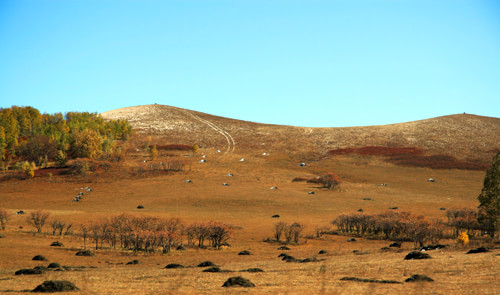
(412, 157)
(174, 147)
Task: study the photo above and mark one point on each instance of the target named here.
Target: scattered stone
(418, 278)
(244, 252)
(174, 265)
(432, 247)
(39, 258)
(135, 261)
(283, 248)
(417, 255)
(206, 264)
(140, 207)
(351, 240)
(478, 250)
(238, 281)
(84, 253)
(275, 216)
(369, 280)
(442, 208)
(311, 193)
(56, 244)
(29, 271)
(395, 244)
(323, 252)
(20, 212)
(54, 265)
(55, 286)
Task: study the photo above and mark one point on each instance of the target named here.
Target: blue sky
(305, 63)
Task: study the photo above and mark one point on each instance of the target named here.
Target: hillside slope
(463, 136)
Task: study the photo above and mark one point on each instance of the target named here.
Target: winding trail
(231, 144)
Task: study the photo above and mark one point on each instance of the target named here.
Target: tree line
(27, 134)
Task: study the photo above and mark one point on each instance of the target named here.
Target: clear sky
(306, 63)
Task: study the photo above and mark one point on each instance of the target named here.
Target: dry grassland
(247, 204)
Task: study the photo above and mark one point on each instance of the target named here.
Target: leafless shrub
(37, 219)
(4, 218)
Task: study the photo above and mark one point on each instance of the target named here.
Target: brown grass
(248, 204)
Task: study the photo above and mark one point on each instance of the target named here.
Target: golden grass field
(248, 204)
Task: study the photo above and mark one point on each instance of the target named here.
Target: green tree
(489, 199)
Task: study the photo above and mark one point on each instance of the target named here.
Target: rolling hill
(463, 136)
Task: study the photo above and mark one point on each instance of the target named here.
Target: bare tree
(278, 230)
(4, 218)
(38, 219)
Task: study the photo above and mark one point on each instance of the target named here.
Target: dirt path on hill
(231, 144)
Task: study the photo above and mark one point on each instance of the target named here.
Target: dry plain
(248, 204)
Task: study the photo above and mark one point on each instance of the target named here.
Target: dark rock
(351, 240)
(419, 278)
(311, 193)
(206, 264)
(56, 244)
(394, 208)
(174, 265)
(54, 265)
(39, 258)
(84, 253)
(29, 271)
(283, 248)
(244, 252)
(360, 210)
(478, 250)
(135, 261)
(395, 244)
(140, 207)
(323, 252)
(275, 216)
(442, 208)
(417, 255)
(238, 281)
(55, 286)
(369, 280)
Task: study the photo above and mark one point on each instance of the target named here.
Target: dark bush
(56, 244)
(39, 258)
(54, 265)
(55, 286)
(238, 281)
(478, 250)
(84, 253)
(174, 265)
(417, 255)
(29, 271)
(206, 264)
(244, 252)
(419, 278)
(135, 261)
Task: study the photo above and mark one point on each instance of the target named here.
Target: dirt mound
(418, 278)
(55, 286)
(238, 282)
